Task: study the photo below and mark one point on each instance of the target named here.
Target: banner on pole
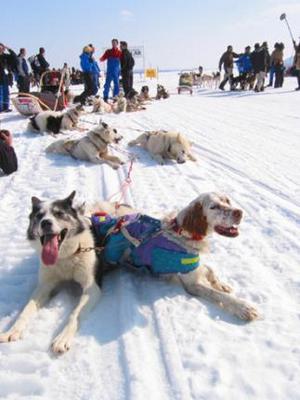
(137, 51)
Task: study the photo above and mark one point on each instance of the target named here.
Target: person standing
(113, 57)
(244, 66)
(67, 76)
(7, 63)
(127, 64)
(95, 70)
(272, 69)
(23, 73)
(278, 63)
(86, 64)
(260, 61)
(227, 61)
(297, 63)
(44, 65)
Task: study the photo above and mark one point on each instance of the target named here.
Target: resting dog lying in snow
(61, 234)
(119, 105)
(173, 246)
(93, 147)
(55, 121)
(165, 145)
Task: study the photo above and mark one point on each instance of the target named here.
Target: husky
(55, 121)
(162, 93)
(164, 145)
(100, 106)
(93, 147)
(60, 232)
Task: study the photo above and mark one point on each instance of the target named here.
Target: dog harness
(138, 239)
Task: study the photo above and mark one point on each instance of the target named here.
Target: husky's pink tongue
(50, 250)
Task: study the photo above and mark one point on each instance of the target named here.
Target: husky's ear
(35, 201)
(81, 208)
(69, 200)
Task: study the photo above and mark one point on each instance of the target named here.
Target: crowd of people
(120, 62)
(34, 70)
(254, 66)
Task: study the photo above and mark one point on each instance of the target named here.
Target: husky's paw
(10, 336)
(247, 312)
(62, 343)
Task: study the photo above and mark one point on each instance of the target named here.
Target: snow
(147, 338)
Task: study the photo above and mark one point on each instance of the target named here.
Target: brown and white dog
(209, 213)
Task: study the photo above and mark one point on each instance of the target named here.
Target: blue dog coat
(139, 239)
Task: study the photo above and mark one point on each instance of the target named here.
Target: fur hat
(87, 49)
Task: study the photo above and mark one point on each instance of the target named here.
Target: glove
(6, 136)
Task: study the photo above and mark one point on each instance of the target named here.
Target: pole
(283, 17)
(59, 88)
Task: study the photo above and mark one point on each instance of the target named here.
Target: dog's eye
(59, 214)
(214, 207)
(39, 215)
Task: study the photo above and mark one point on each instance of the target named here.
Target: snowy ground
(148, 338)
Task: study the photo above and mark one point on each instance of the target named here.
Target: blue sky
(175, 33)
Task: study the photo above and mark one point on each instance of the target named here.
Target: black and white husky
(55, 121)
(60, 232)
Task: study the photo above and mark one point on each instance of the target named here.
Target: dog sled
(50, 97)
(185, 82)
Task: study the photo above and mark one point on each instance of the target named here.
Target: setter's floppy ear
(194, 221)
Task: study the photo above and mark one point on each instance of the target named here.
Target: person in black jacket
(8, 62)
(8, 158)
(127, 64)
(260, 59)
(39, 64)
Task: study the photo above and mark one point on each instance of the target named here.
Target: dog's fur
(144, 93)
(55, 121)
(209, 213)
(161, 93)
(119, 105)
(101, 106)
(60, 232)
(165, 145)
(93, 147)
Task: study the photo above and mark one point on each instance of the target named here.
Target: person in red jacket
(113, 57)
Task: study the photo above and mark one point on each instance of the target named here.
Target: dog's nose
(46, 224)
(237, 214)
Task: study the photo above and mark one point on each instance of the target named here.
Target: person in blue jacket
(86, 64)
(96, 70)
(113, 57)
(244, 66)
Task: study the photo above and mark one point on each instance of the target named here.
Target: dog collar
(177, 229)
